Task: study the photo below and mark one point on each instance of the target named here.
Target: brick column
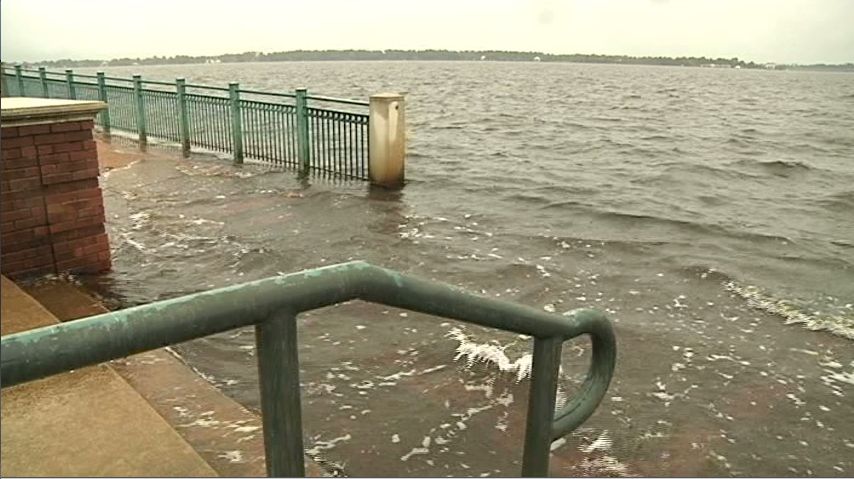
(51, 206)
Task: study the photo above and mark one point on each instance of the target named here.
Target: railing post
(4, 85)
(541, 407)
(281, 411)
(20, 77)
(303, 147)
(236, 123)
(69, 79)
(183, 117)
(102, 95)
(43, 78)
(140, 111)
(387, 140)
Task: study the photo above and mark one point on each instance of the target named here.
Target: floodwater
(710, 213)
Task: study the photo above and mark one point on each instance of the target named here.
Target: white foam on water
(326, 445)
(232, 456)
(835, 324)
(416, 451)
(491, 354)
(602, 443)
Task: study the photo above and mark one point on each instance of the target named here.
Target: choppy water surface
(709, 212)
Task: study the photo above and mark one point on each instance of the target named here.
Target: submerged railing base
(272, 306)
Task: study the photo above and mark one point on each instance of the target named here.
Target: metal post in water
(69, 79)
(541, 407)
(303, 147)
(236, 123)
(281, 411)
(183, 117)
(140, 111)
(43, 78)
(102, 95)
(20, 78)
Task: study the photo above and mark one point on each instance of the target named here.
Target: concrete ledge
(21, 111)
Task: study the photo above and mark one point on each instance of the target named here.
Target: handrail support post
(281, 411)
(4, 85)
(20, 77)
(236, 123)
(69, 80)
(140, 111)
(43, 78)
(102, 95)
(303, 147)
(541, 406)
(183, 117)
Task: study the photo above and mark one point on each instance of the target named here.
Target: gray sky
(783, 31)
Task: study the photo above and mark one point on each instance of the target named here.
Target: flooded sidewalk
(708, 381)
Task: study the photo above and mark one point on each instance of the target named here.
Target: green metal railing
(310, 133)
(272, 304)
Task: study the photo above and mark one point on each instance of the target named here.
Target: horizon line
(423, 50)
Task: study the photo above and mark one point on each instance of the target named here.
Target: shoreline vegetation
(438, 55)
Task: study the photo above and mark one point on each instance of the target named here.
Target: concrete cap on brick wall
(21, 111)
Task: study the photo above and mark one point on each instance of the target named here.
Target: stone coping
(21, 111)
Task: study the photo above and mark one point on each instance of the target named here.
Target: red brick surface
(51, 207)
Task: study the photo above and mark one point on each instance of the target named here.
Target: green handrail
(272, 305)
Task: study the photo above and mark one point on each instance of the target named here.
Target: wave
(704, 171)
(778, 167)
(836, 324)
(843, 200)
(784, 164)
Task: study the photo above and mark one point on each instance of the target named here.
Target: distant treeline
(435, 55)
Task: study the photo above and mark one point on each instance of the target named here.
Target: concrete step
(224, 433)
(88, 422)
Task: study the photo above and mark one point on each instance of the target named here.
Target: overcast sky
(783, 31)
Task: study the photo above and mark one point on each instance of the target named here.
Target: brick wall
(51, 207)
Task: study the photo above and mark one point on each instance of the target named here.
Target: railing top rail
(337, 100)
(259, 92)
(158, 82)
(207, 87)
(319, 98)
(325, 112)
(11, 71)
(121, 79)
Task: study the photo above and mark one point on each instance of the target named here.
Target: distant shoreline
(439, 55)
